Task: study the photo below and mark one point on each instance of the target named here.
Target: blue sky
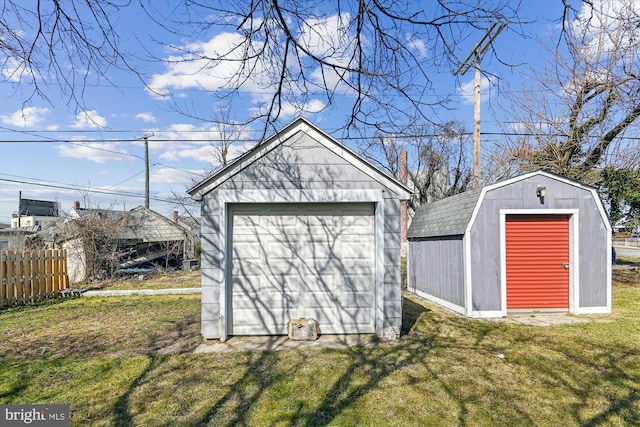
(51, 151)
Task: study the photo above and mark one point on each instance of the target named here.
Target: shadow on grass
(437, 351)
(121, 409)
(411, 312)
(565, 374)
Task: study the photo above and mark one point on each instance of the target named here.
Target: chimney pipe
(175, 216)
(76, 204)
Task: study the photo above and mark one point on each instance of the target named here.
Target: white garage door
(314, 260)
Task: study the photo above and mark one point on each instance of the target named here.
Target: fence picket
(42, 274)
(31, 276)
(3, 275)
(28, 282)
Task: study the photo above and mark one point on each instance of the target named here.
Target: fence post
(11, 293)
(3, 279)
(63, 269)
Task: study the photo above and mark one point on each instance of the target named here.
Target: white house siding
(76, 260)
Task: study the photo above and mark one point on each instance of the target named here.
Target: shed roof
(451, 216)
(446, 217)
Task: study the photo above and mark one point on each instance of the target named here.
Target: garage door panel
(358, 299)
(318, 284)
(263, 322)
(303, 260)
(356, 283)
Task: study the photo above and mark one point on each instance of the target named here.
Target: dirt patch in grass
(626, 275)
(96, 327)
(149, 280)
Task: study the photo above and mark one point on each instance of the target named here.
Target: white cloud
(289, 109)
(329, 38)
(607, 24)
(220, 63)
(194, 70)
(13, 70)
(467, 89)
(89, 119)
(172, 176)
(188, 142)
(95, 152)
(419, 46)
(147, 117)
(26, 117)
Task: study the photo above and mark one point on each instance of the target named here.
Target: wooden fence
(31, 276)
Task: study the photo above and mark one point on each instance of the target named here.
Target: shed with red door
(534, 243)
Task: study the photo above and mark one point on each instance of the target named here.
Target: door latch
(565, 265)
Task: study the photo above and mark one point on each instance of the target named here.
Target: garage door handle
(565, 265)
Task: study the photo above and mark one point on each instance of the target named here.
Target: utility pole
(473, 59)
(146, 172)
(146, 168)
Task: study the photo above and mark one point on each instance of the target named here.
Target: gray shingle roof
(446, 217)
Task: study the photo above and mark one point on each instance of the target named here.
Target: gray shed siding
(485, 238)
(436, 267)
(299, 163)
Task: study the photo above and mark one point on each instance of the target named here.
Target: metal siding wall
(593, 261)
(300, 163)
(437, 268)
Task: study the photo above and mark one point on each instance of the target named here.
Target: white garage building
(300, 227)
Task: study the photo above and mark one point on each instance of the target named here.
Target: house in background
(100, 241)
(300, 227)
(16, 238)
(35, 213)
(32, 217)
(534, 243)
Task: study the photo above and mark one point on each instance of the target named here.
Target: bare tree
(576, 115)
(297, 54)
(302, 58)
(68, 44)
(230, 133)
(93, 242)
(440, 159)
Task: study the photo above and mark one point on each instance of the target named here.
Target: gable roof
(140, 211)
(300, 124)
(452, 216)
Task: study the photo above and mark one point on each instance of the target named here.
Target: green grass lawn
(128, 361)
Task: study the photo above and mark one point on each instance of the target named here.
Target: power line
(251, 140)
(85, 189)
